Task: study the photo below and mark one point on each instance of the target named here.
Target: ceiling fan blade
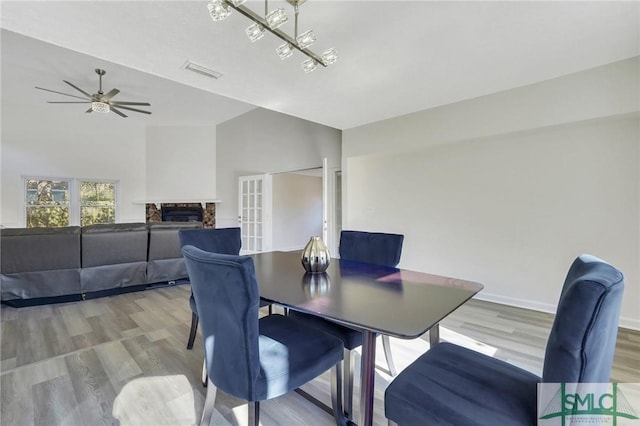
(78, 89)
(118, 112)
(60, 93)
(110, 94)
(132, 109)
(69, 102)
(130, 103)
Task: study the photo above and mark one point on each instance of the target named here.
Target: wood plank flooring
(122, 360)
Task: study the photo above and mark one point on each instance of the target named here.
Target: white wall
(181, 163)
(151, 163)
(263, 141)
(297, 210)
(89, 146)
(509, 202)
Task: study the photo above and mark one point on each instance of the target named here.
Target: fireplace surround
(182, 212)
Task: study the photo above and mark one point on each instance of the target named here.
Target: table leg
(367, 377)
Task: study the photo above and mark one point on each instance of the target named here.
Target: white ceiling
(396, 57)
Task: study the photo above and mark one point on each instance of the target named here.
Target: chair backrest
(227, 297)
(582, 342)
(371, 247)
(220, 240)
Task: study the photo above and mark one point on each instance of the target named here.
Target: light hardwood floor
(122, 360)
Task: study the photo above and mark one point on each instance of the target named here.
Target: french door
(254, 213)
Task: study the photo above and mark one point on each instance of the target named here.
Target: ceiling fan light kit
(100, 102)
(100, 107)
(221, 9)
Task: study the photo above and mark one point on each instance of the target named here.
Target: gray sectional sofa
(45, 265)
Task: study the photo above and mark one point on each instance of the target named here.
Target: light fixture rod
(276, 32)
(100, 73)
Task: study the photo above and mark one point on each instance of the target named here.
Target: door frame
(330, 236)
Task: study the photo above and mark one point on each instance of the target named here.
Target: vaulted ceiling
(396, 57)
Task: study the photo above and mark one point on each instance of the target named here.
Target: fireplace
(181, 214)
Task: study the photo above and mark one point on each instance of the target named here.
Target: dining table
(372, 298)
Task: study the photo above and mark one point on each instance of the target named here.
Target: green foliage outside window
(47, 217)
(48, 203)
(97, 203)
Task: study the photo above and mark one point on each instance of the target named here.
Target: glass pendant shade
(306, 39)
(100, 107)
(276, 18)
(330, 56)
(284, 51)
(218, 10)
(255, 32)
(309, 65)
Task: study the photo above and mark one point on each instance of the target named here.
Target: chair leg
(254, 413)
(434, 336)
(204, 378)
(209, 403)
(336, 394)
(386, 345)
(348, 383)
(194, 328)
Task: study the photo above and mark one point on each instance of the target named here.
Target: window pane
(47, 217)
(97, 202)
(93, 215)
(94, 193)
(47, 192)
(47, 203)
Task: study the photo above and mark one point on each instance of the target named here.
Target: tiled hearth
(208, 217)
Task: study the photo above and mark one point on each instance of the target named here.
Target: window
(52, 202)
(97, 202)
(47, 203)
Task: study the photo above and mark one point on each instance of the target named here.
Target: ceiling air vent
(197, 68)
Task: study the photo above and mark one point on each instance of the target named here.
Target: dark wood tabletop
(382, 299)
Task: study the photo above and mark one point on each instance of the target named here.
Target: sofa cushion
(113, 255)
(39, 249)
(109, 244)
(163, 239)
(165, 261)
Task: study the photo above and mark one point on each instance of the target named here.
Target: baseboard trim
(625, 322)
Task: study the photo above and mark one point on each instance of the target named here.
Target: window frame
(75, 202)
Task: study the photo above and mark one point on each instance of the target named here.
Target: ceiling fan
(100, 102)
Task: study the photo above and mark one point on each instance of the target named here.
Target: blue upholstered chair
(370, 247)
(221, 240)
(250, 358)
(451, 385)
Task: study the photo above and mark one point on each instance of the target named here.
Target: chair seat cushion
(350, 337)
(292, 355)
(452, 385)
